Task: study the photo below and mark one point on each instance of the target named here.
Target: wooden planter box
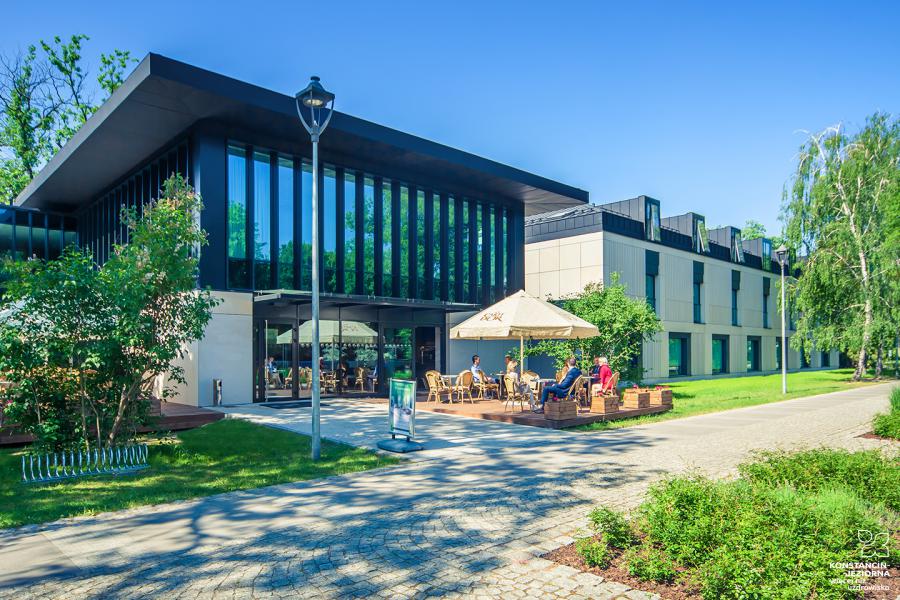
(560, 411)
(633, 398)
(605, 404)
(661, 397)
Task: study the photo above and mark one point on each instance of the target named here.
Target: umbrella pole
(521, 356)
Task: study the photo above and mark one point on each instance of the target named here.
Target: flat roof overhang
(349, 300)
(163, 98)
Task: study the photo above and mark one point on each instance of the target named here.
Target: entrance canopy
(523, 316)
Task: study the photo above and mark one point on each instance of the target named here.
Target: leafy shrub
(612, 526)
(888, 424)
(870, 475)
(595, 553)
(754, 541)
(648, 563)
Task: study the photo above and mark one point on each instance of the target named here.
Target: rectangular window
(386, 229)
(238, 273)
(765, 310)
(826, 359)
(698, 313)
(767, 254)
(651, 291)
(651, 222)
(698, 282)
(778, 353)
(368, 217)
(286, 223)
(404, 240)
(262, 221)
(719, 354)
(505, 261)
(679, 354)
(734, 308)
(464, 249)
(452, 249)
(701, 237)
(329, 230)
(492, 246)
(737, 248)
(420, 244)
(753, 354)
(306, 227)
(479, 253)
(436, 250)
(349, 225)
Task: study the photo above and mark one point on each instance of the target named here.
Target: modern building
(414, 235)
(715, 294)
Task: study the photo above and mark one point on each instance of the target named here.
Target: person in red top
(600, 372)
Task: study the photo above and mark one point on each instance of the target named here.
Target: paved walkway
(468, 518)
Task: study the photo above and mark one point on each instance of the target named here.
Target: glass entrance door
(276, 360)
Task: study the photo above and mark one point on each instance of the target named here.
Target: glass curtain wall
(426, 237)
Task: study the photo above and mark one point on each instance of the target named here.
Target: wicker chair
(463, 387)
(485, 387)
(577, 391)
(513, 394)
(436, 386)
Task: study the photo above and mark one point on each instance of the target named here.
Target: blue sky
(699, 105)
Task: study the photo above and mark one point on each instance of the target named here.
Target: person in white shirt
(476, 370)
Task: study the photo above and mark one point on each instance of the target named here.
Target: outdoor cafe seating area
(500, 397)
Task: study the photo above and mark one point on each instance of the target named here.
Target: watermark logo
(872, 544)
(492, 316)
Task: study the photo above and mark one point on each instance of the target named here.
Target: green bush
(888, 425)
(595, 553)
(612, 526)
(650, 564)
(870, 475)
(752, 541)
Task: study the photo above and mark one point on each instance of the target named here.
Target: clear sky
(699, 105)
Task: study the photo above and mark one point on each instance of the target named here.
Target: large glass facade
(411, 242)
(27, 234)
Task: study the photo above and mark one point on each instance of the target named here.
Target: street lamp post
(781, 253)
(315, 106)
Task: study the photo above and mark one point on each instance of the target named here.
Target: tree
(624, 324)
(45, 98)
(837, 218)
(88, 347)
(753, 230)
(27, 114)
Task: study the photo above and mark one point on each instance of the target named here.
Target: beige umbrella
(523, 316)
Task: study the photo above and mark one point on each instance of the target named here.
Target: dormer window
(701, 237)
(767, 254)
(651, 222)
(737, 249)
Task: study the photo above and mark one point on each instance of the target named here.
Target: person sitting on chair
(272, 368)
(476, 370)
(562, 388)
(600, 372)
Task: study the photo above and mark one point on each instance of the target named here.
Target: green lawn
(221, 457)
(714, 395)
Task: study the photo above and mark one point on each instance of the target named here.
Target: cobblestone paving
(463, 527)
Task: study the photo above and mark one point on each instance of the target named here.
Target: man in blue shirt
(562, 388)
